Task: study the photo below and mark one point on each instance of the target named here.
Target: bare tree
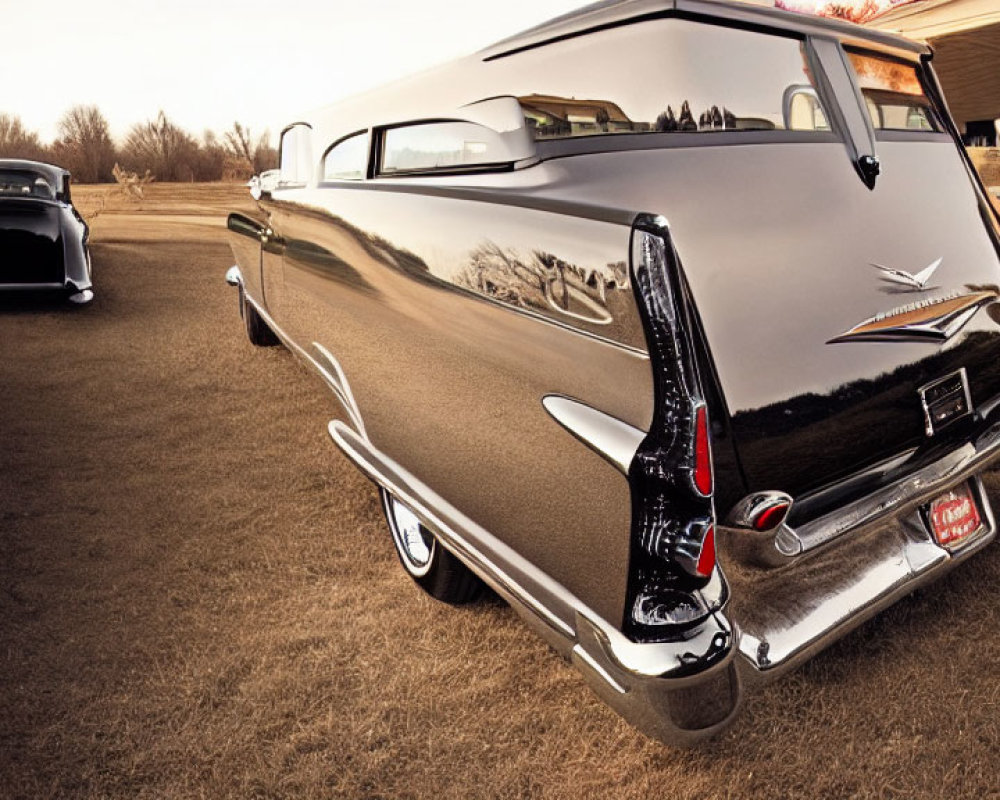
(161, 147)
(17, 142)
(84, 146)
(130, 184)
(254, 155)
(211, 158)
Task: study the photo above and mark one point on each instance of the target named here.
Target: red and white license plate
(954, 517)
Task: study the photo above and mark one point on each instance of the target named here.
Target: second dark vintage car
(43, 239)
(673, 321)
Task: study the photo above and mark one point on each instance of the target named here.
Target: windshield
(24, 183)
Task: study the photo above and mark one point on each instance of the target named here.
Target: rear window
(893, 94)
(668, 76)
(18, 183)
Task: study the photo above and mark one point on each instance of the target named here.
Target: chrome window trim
(894, 135)
(603, 16)
(624, 142)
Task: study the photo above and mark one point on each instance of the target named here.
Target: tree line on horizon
(85, 147)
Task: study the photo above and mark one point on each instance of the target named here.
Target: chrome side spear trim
(609, 437)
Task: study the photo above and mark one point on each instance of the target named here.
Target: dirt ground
(199, 598)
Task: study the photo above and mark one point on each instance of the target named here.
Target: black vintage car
(43, 240)
(674, 321)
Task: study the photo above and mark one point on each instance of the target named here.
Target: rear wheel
(435, 570)
(257, 330)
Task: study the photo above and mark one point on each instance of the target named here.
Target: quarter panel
(451, 330)
(74, 232)
(245, 242)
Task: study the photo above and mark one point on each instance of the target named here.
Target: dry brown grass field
(199, 598)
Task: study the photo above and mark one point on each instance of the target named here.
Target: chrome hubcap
(414, 542)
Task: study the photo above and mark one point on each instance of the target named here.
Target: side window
(296, 154)
(440, 146)
(893, 94)
(590, 85)
(803, 111)
(347, 160)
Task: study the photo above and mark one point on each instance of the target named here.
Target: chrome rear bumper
(787, 615)
(847, 566)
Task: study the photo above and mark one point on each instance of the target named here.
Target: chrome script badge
(935, 320)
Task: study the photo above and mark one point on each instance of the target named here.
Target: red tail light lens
(702, 453)
(706, 560)
(771, 517)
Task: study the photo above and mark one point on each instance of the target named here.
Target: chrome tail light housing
(674, 579)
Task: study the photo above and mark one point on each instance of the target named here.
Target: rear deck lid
(832, 311)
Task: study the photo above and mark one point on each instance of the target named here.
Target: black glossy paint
(30, 241)
(780, 268)
(42, 240)
(441, 309)
(456, 302)
(443, 313)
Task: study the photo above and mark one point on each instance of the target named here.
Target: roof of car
(54, 174)
(437, 92)
(609, 13)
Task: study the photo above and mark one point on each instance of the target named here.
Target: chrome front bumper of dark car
(78, 294)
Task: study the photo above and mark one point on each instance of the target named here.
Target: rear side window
(440, 146)
(893, 94)
(347, 160)
(668, 76)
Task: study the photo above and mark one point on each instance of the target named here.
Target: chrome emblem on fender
(934, 320)
(917, 281)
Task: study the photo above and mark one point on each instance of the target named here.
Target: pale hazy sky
(207, 63)
(210, 62)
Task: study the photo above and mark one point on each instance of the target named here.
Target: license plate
(954, 517)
